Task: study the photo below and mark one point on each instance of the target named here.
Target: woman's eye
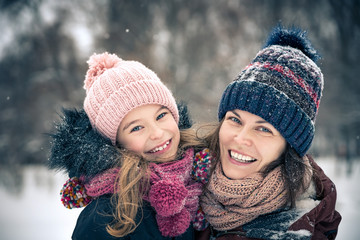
(135, 129)
(161, 116)
(264, 129)
(234, 119)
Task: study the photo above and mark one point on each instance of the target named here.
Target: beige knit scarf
(228, 204)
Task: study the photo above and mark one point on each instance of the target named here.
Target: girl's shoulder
(93, 220)
(201, 165)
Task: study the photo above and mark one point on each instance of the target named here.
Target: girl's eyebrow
(129, 124)
(136, 120)
(161, 108)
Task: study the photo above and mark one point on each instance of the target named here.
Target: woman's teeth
(241, 158)
(160, 148)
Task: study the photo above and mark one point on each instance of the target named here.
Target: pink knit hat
(114, 87)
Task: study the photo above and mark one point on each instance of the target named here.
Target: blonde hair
(129, 186)
(133, 181)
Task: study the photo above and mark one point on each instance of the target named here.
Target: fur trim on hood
(79, 150)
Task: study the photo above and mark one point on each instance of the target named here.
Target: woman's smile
(247, 144)
(240, 158)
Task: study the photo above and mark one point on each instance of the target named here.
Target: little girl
(121, 148)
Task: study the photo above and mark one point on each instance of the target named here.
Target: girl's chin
(161, 158)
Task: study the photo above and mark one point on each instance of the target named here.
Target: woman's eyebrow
(235, 113)
(262, 121)
(238, 115)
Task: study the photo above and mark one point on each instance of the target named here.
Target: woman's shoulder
(314, 216)
(322, 219)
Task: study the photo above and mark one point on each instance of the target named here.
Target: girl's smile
(162, 148)
(150, 131)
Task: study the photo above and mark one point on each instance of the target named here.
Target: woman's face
(150, 131)
(247, 144)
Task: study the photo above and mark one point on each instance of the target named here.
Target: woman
(263, 185)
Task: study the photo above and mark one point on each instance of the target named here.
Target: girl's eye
(161, 116)
(135, 129)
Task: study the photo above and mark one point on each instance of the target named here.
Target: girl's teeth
(160, 148)
(241, 158)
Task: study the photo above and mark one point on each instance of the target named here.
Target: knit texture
(82, 152)
(231, 203)
(202, 165)
(174, 195)
(102, 183)
(73, 194)
(282, 85)
(200, 173)
(114, 87)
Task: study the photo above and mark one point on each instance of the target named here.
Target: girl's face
(150, 131)
(247, 144)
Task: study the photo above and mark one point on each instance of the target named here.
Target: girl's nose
(156, 132)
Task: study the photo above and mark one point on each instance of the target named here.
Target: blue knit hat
(282, 85)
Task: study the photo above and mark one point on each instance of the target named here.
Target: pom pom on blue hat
(283, 85)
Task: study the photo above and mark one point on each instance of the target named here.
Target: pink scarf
(173, 193)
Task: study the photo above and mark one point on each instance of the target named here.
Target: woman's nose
(243, 137)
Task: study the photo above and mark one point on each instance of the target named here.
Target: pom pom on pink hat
(114, 87)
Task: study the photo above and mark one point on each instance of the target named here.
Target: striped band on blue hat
(282, 85)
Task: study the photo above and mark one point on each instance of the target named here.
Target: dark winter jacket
(80, 151)
(92, 222)
(320, 222)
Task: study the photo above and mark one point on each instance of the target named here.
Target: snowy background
(36, 212)
(196, 48)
